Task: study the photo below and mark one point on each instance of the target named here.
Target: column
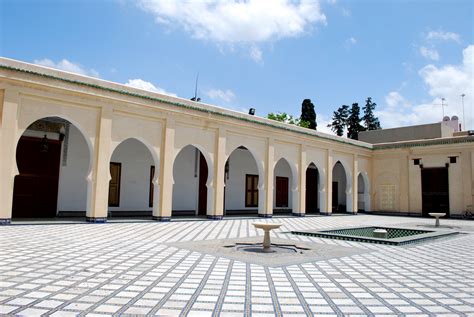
(329, 162)
(166, 172)
(215, 192)
(8, 170)
(355, 183)
(265, 209)
(301, 194)
(98, 182)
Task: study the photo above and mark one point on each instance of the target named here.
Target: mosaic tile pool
(395, 236)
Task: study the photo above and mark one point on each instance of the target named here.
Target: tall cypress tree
(308, 114)
(371, 122)
(339, 120)
(353, 122)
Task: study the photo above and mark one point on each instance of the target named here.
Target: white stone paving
(126, 269)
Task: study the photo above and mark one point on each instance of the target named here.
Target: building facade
(74, 145)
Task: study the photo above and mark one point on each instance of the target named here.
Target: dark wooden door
(311, 190)
(203, 173)
(281, 191)
(335, 196)
(114, 185)
(435, 190)
(35, 192)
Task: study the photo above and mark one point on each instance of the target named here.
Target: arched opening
(241, 179)
(282, 188)
(312, 189)
(190, 175)
(363, 193)
(53, 161)
(131, 189)
(339, 187)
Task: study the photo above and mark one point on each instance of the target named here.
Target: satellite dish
(445, 118)
(454, 118)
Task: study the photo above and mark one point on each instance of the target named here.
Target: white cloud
(429, 53)
(323, 122)
(395, 100)
(449, 82)
(443, 36)
(346, 12)
(146, 85)
(223, 95)
(233, 22)
(256, 54)
(350, 42)
(68, 66)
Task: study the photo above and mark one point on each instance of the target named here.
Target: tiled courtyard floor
(126, 268)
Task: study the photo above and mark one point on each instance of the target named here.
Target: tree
(371, 122)
(339, 120)
(287, 118)
(308, 114)
(353, 122)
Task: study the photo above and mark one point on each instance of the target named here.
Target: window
(114, 185)
(150, 197)
(251, 190)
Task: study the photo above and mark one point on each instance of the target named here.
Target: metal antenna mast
(442, 104)
(463, 115)
(195, 98)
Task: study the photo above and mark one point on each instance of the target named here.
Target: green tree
(287, 118)
(370, 121)
(353, 122)
(308, 114)
(339, 120)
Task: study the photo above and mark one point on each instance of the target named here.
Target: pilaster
(267, 190)
(355, 183)
(98, 195)
(215, 207)
(329, 162)
(9, 108)
(166, 172)
(301, 194)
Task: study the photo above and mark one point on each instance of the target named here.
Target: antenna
(463, 115)
(195, 98)
(442, 104)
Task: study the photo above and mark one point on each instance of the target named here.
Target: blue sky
(269, 55)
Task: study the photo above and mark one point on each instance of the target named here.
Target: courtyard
(140, 267)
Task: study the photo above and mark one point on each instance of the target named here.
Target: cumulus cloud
(256, 54)
(222, 95)
(68, 66)
(146, 85)
(238, 22)
(443, 36)
(429, 53)
(447, 81)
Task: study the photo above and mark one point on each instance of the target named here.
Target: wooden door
(203, 174)
(114, 185)
(335, 196)
(35, 191)
(281, 191)
(311, 190)
(435, 190)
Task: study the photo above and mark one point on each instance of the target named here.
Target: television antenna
(442, 104)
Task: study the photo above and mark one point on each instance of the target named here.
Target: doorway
(35, 193)
(435, 190)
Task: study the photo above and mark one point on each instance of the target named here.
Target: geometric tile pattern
(127, 269)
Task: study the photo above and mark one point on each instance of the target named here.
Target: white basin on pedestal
(437, 215)
(266, 228)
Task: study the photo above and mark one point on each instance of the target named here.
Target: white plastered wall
(72, 193)
(186, 180)
(136, 161)
(291, 155)
(318, 157)
(282, 169)
(241, 162)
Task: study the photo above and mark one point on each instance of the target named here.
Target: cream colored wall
(396, 167)
(106, 119)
